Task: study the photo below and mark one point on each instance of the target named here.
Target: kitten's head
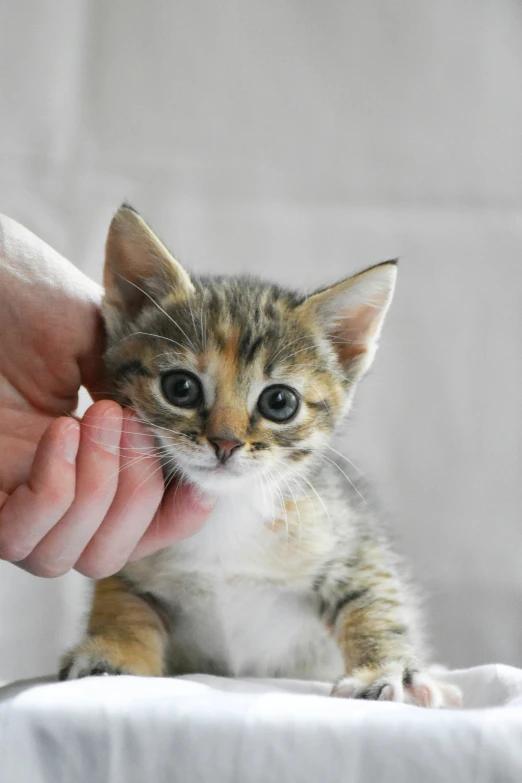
(237, 377)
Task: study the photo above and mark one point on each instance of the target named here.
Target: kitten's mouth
(216, 473)
(221, 469)
(213, 473)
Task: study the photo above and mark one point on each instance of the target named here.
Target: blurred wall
(304, 141)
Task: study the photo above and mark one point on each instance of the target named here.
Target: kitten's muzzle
(225, 448)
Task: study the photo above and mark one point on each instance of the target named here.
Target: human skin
(85, 494)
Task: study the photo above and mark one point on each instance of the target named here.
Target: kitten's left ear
(352, 313)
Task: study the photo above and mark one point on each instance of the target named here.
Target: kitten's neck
(264, 496)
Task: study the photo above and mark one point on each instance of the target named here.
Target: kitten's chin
(218, 482)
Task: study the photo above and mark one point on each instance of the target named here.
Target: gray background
(305, 140)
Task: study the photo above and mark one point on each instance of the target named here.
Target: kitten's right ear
(138, 266)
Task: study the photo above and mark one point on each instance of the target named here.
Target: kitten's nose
(224, 448)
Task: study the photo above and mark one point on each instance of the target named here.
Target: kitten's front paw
(87, 663)
(399, 685)
(98, 655)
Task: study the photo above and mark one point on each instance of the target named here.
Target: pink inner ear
(352, 332)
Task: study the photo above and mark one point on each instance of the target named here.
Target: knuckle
(59, 498)
(99, 491)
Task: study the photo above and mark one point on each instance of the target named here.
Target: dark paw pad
(76, 669)
(102, 670)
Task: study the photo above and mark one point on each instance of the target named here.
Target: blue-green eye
(181, 389)
(278, 403)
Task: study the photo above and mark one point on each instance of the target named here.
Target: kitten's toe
(423, 691)
(85, 664)
(409, 687)
(97, 656)
(386, 688)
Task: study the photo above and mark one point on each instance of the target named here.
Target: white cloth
(196, 729)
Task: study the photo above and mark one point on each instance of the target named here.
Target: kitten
(243, 384)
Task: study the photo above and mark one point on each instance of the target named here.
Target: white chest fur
(239, 593)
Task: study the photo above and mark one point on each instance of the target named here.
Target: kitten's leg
(125, 635)
(370, 622)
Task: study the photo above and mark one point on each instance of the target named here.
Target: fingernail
(70, 442)
(107, 434)
(139, 438)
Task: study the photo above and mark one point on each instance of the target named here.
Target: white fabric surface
(197, 729)
(305, 141)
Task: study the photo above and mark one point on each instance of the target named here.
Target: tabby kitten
(243, 385)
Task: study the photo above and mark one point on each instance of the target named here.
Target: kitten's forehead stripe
(249, 346)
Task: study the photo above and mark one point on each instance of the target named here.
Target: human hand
(86, 494)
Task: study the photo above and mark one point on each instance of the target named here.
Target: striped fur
(290, 576)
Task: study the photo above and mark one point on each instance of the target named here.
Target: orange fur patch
(125, 630)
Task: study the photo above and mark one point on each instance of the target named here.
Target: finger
(97, 467)
(139, 493)
(32, 510)
(182, 513)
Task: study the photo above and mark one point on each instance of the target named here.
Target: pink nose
(224, 448)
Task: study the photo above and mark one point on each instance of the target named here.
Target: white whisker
(303, 477)
(359, 471)
(160, 308)
(287, 345)
(168, 353)
(296, 506)
(150, 334)
(192, 316)
(323, 456)
(306, 348)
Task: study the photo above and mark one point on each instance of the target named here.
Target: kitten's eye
(181, 389)
(278, 403)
